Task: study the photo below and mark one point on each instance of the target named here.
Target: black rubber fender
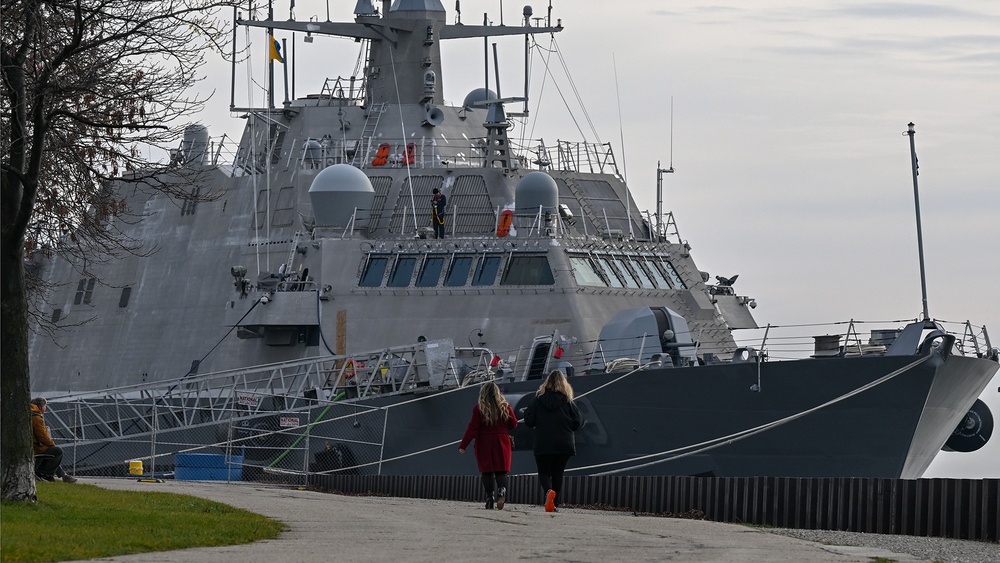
(974, 430)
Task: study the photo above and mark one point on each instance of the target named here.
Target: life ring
(349, 369)
(506, 218)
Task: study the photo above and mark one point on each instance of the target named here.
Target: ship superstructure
(327, 208)
(303, 285)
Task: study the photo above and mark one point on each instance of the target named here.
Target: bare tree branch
(86, 83)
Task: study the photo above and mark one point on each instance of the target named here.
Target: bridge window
(402, 273)
(374, 271)
(661, 281)
(458, 274)
(486, 270)
(627, 276)
(641, 275)
(585, 272)
(675, 278)
(528, 270)
(431, 272)
(609, 273)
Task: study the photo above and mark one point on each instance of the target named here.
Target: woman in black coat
(555, 417)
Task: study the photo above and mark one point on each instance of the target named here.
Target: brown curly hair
(492, 405)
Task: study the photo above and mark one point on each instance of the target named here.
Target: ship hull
(880, 417)
(888, 431)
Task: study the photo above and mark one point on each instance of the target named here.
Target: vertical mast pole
(232, 76)
(659, 201)
(486, 53)
(659, 177)
(284, 68)
(527, 56)
(270, 62)
(910, 132)
(659, 196)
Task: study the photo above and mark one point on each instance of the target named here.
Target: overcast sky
(791, 168)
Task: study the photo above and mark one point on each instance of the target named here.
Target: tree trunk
(17, 464)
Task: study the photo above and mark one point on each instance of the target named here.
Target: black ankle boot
(489, 502)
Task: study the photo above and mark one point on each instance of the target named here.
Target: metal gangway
(265, 409)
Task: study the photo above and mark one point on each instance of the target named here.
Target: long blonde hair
(492, 405)
(557, 382)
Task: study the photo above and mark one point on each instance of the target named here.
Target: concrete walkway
(326, 527)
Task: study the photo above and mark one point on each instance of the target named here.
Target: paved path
(326, 527)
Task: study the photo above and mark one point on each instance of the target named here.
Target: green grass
(80, 521)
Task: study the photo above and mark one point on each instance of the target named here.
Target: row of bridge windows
(432, 270)
(489, 269)
(634, 272)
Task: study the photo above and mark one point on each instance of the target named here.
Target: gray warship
(300, 312)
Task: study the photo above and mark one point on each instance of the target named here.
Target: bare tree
(89, 86)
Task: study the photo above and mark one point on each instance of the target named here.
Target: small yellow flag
(275, 50)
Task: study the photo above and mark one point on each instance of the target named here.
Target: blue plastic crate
(208, 467)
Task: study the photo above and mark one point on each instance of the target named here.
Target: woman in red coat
(492, 420)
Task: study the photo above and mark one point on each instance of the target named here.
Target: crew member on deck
(438, 203)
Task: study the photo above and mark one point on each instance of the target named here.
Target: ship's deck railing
(432, 153)
(349, 90)
(387, 152)
(853, 338)
(778, 343)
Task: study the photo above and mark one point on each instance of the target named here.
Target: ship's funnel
(433, 116)
(338, 192)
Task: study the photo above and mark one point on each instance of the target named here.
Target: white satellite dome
(536, 189)
(478, 95)
(337, 191)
